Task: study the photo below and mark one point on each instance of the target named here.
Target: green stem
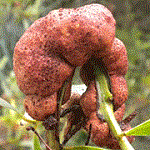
(52, 136)
(51, 140)
(27, 120)
(107, 109)
(103, 87)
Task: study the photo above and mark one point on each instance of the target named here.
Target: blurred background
(133, 28)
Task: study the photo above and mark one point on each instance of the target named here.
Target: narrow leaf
(140, 130)
(7, 105)
(36, 142)
(84, 148)
(3, 61)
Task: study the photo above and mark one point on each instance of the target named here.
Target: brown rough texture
(110, 141)
(119, 113)
(40, 107)
(67, 92)
(115, 59)
(47, 54)
(115, 63)
(119, 90)
(101, 134)
(88, 102)
(38, 72)
(100, 130)
(82, 31)
(72, 33)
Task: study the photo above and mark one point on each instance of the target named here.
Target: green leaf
(7, 105)
(36, 143)
(84, 148)
(140, 130)
(3, 61)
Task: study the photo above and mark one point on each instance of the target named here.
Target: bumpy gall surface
(82, 31)
(115, 59)
(37, 72)
(112, 142)
(119, 90)
(40, 108)
(88, 99)
(115, 63)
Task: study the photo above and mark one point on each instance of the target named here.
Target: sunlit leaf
(84, 148)
(36, 142)
(3, 61)
(146, 80)
(7, 105)
(140, 130)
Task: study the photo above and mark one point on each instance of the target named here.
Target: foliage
(132, 28)
(140, 130)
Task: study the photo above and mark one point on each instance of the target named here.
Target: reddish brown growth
(100, 130)
(119, 89)
(37, 72)
(40, 107)
(88, 100)
(115, 59)
(100, 133)
(80, 32)
(110, 141)
(47, 54)
(116, 64)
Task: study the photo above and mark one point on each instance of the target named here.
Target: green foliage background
(133, 28)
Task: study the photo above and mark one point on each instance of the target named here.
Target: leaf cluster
(132, 28)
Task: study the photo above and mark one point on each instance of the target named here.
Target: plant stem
(51, 140)
(40, 138)
(28, 120)
(104, 97)
(52, 136)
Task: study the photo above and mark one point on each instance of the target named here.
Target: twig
(68, 136)
(107, 107)
(60, 96)
(89, 135)
(68, 110)
(40, 138)
(129, 118)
